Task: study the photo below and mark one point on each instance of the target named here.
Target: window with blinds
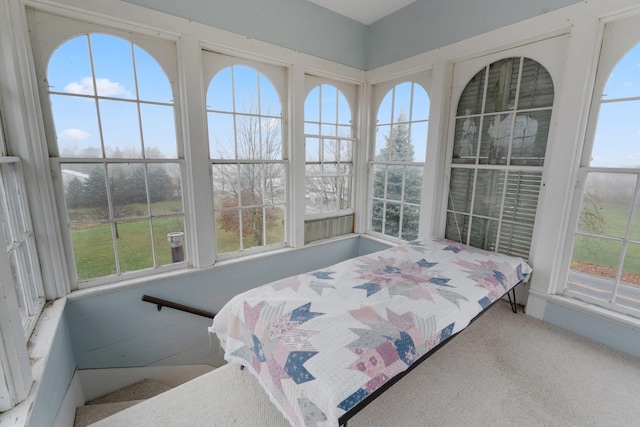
(501, 130)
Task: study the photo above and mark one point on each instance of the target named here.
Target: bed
(324, 343)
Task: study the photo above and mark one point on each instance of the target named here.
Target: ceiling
(364, 11)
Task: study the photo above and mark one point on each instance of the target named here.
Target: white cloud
(74, 134)
(105, 87)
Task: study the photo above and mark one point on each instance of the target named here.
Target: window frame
(379, 91)
(350, 92)
(618, 38)
(163, 49)
(277, 74)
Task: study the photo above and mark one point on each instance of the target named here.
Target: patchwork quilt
(321, 342)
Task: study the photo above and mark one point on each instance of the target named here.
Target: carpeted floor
(505, 369)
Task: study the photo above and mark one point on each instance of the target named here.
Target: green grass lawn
(606, 253)
(93, 244)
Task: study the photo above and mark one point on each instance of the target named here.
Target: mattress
(321, 342)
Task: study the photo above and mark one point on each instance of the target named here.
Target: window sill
(39, 348)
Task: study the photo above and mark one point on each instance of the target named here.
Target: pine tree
(399, 148)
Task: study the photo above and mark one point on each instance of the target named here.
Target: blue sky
(617, 139)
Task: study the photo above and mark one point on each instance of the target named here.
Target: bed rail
(159, 302)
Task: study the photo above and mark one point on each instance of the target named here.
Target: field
(93, 244)
(601, 256)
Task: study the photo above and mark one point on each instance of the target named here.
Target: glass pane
(275, 225)
(494, 146)
(128, 190)
(606, 204)
(330, 150)
(488, 194)
(251, 181)
(484, 233)
(530, 134)
(248, 137)
(402, 101)
(457, 227)
(227, 231)
(344, 110)
(460, 190)
(314, 195)
(377, 215)
(165, 190)
(120, 129)
(617, 135)
(536, 86)
(631, 266)
(624, 81)
(329, 130)
(419, 141)
(269, 99)
(76, 122)
(634, 233)
(421, 104)
(158, 131)
(220, 93)
(311, 129)
(245, 89)
(596, 256)
(134, 245)
(221, 136)
(521, 200)
(311, 106)
(399, 147)
(395, 182)
(274, 178)
(470, 101)
(271, 139)
(93, 250)
(382, 138)
(328, 102)
(379, 179)
(384, 110)
(225, 185)
(392, 215)
(344, 195)
(252, 227)
(346, 151)
(410, 222)
(70, 68)
(466, 140)
(113, 66)
(501, 88)
(7, 231)
(164, 229)
(413, 184)
(153, 84)
(345, 131)
(95, 205)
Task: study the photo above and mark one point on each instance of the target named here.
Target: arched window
(501, 130)
(329, 151)
(605, 261)
(400, 153)
(244, 115)
(114, 122)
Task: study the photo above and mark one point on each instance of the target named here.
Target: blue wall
(305, 27)
(605, 331)
(56, 378)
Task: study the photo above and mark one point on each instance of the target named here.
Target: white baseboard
(98, 382)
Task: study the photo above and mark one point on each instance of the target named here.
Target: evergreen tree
(398, 148)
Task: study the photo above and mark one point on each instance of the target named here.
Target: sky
(617, 138)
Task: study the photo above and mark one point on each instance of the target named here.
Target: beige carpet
(505, 369)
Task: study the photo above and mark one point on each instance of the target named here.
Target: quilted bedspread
(321, 342)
